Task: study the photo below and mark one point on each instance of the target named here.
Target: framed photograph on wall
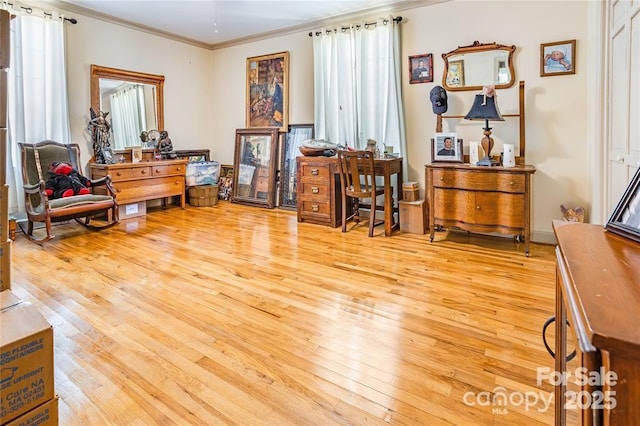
(455, 74)
(625, 219)
(447, 148)
(421, 68)
(558, 58)
(267, 91)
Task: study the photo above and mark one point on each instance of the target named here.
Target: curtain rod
(29, 11)
(397, 19)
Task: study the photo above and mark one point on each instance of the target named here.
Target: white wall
(205, 90)
(188, 96)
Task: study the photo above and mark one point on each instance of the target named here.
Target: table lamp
(485, 108)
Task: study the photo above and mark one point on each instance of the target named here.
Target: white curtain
(358, 94)
(128, 113)
(37, 91)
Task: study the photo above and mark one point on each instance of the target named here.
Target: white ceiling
(219, 23)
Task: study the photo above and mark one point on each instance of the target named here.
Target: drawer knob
(157, 170)
(144, 172)
(315, 190)
(441, 177)
(512, 183)
(315, 208)
(118, 174)
(315, 172)
(477, 207)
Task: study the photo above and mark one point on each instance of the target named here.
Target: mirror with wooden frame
(476, 65)
(254, 177)
(134, 101)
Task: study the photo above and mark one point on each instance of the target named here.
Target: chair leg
(372, 216)
(344, 212)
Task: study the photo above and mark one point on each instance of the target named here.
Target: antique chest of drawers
(318, 191)
(480, 199)
(147, 180)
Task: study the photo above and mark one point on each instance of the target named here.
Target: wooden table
(598, 293)
(319, 193)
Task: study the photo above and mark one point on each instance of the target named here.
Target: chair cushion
(77, 200)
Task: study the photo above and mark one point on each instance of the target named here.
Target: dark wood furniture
(480, 199)
(36, 159)
(358, 181)
(146, 180)
(319, 194)
(598, 292)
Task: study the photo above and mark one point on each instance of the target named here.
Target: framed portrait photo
(625, 219)
(446, 147)
(558, 58)
(267, 91)
(455, 74)
(421, 68)
(107, 154)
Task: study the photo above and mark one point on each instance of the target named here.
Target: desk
(598, 292)
(320, 196)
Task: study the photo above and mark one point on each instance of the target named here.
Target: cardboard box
(43, 415)
(127, 211)
(410, 195)
(413, 217)
(26, 358)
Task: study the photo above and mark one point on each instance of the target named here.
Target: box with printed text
(26, 357)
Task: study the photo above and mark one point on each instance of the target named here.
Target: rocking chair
(36, 159)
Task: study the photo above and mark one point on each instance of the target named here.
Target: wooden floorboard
(241, 315)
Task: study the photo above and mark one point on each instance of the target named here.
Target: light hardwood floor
(240, 315)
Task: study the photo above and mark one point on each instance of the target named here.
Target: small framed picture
(558, 58)
(446, 147)
(455, 73)
(625, 219)
(421, 68)
(226, 182)
(136, 154)
(107, 154)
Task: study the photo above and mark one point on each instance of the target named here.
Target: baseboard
(543, 237)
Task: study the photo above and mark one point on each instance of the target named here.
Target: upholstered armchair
(36, 159)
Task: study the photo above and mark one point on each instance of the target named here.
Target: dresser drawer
(315, 209)
(129, 191)
(315, 190)
(313, 171)
(130, 173)
(479, 180)
(168, 170)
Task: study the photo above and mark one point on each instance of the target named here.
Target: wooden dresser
(480, 199)
(598, 293)
(318, 192)
(147, 180)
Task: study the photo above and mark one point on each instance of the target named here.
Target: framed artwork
(136, 154)
(446, 147)
(625, 219)
(107, 154)
(225, 185)
(455, 73)
(421, 68)
(558, 58)
(291, 143)
(254, 176)
(267, 91)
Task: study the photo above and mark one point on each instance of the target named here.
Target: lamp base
(488, 162)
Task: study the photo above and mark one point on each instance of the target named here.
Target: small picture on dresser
(446, 147)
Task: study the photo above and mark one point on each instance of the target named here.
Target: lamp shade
(484, 108)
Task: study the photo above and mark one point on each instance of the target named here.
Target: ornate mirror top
(476, 65)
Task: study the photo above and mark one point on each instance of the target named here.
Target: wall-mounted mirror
(476, 65)
(134, 101)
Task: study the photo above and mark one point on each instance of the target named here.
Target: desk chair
(358, 181)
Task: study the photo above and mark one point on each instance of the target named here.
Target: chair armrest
(104, 181)
(32, 206)
(33, 189)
